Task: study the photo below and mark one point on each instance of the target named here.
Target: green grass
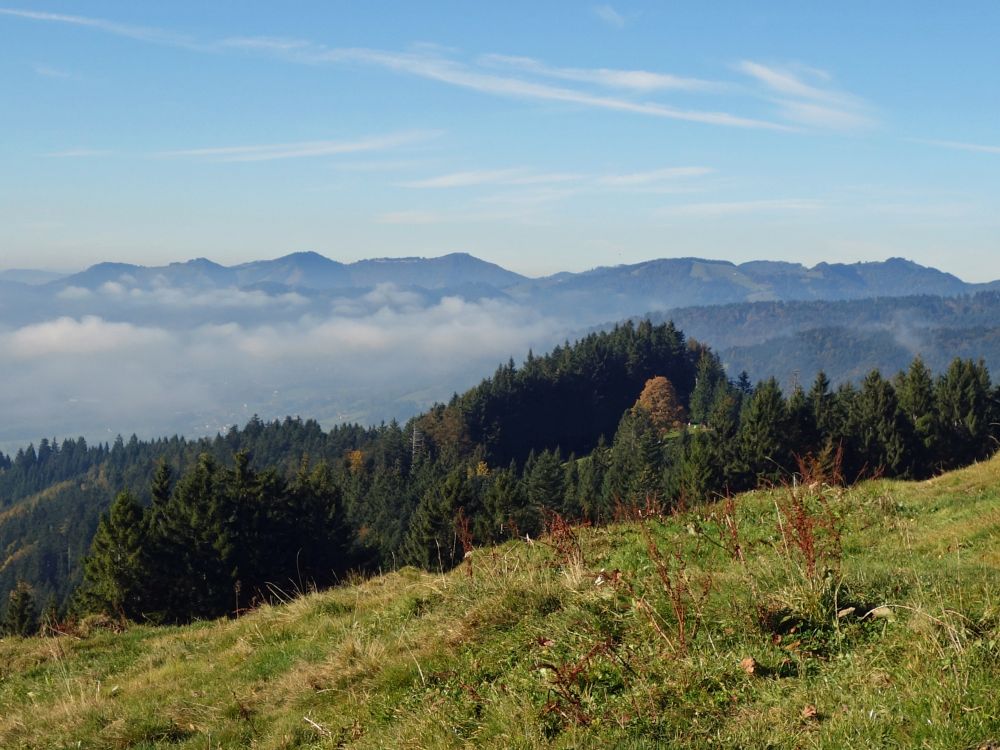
(546, 647)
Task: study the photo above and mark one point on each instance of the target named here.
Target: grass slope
(574, 642)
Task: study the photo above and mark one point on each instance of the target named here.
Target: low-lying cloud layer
(199, 361)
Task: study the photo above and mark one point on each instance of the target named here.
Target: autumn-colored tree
(659, 400)
(356, 461)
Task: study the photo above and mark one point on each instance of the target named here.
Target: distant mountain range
(588, 297)
(193, 347)
(683, 282)
(306, 270)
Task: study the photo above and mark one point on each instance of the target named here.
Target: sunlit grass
(537, 649)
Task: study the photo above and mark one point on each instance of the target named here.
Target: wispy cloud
(383, 165)
(467, 179)
(77, 153)
(517, 176)
(803, 95)
(270, 152)
(652, 176)
(459, 74)
(421, 217)
(141, 33)
(265, 152)
(47, 71)
(825, 116)
(786, 82)
(809, 102)
(734, 208)
(631, 80)
(522, 176)
(959, 145)
(609, 15)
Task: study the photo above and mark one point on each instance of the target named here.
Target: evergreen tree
(626, 460)
(162, 485)
(915, 391)
(114, 573)
(722, 435)
(505, 508)
(22, 612)
(821, 404)
(880, 428)
(649, 484)
(743, 384)
(710, 378)
(431, 541)
(764, 447)
(803, 433)
(571, 507)
(701, 472)
(189, 574)
(594, 504)
(964, 405)
(544, 481)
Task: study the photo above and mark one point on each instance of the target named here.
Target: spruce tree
(163, 479)
(545, 481)
(114, 572)
(915, 391)
(431, 541)
(765, 450)
(965, 408)
(22, 612)
(821, 405)
(709, 379)
(880, 428)
(700, 468)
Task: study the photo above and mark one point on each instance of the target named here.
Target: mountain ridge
(606, 291)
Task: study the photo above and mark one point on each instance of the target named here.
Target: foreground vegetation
(808, 616)
(199, 528)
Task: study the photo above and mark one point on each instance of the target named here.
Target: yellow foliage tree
(356, 461)
(659, 400)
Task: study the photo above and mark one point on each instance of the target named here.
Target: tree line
(634, 415)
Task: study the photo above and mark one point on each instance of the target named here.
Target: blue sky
(541, 136)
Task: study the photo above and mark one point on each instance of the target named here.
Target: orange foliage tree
(659, 400)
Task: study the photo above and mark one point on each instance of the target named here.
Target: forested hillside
(635, 417)
(794, 340)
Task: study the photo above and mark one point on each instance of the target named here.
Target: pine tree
(571, 490)
(709, 379)
(625, 464)
(722, 434)
(700, 468)
(504, 507)
(163, 480)
(821, 403)
(22, 612)
(880, 428)
(765, 450)
(189, 576)
(114, 572)
(915, 391)
(431, 541)
(544, 481)
(964, 405)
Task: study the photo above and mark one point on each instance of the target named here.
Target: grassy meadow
(805, 617)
